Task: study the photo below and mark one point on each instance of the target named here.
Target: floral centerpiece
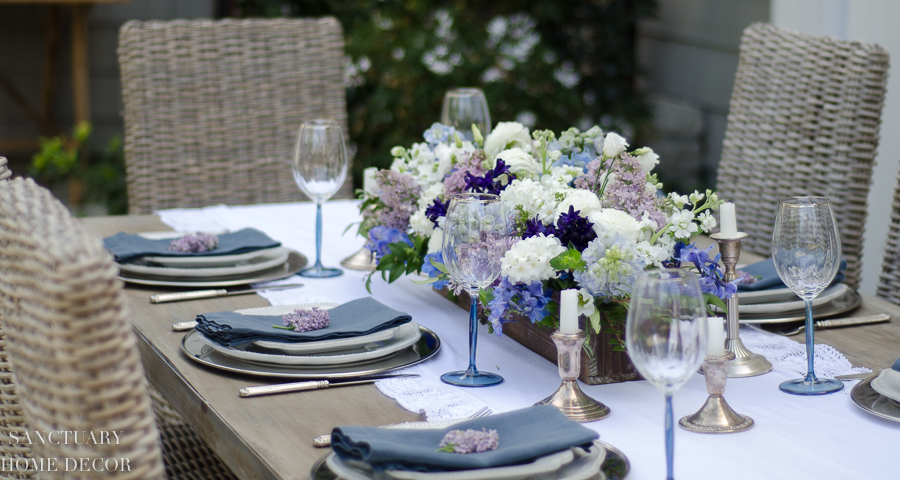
(586, 214)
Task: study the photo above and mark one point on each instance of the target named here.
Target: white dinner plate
(306, 348)
(572, 464)
(363, 353)
(887, 383)
(269, 258)
(826, 296)
(773, 295)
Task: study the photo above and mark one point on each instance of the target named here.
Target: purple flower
(492, 181)
(194, 243)
(529, 300)
(571, 228)
(306, 320)
(628, 192)
(469, 164)
(534, 227)
(436, 210)
(744, 278)
(711, 277)
(399, 193)
(469, 441)
(380, 237)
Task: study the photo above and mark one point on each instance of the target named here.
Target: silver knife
(855, 376)
(840, 322)
(312, 385)
(198, 294)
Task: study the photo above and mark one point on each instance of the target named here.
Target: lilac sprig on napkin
(469, 441)
(128, 247)
(305, 320)
(194, 243)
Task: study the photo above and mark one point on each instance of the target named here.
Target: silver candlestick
(716, 416)
(746, 363)
(363, 260)
(569, 397)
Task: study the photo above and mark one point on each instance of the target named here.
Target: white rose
(613, 145)
(647, 159)
(436, 242)
(518, 161)
(610, 220)
(584, 201)
(507, 135)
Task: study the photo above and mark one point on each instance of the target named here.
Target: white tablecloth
(794, 437)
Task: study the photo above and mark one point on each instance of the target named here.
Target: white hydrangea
(560, 177)
(584, 201)
(507, 135)
(529, 260)
(683, 225)
(527, 193)
(420, 223)
(610, 221)
(707, 221)
(519, 162)
(656, 254)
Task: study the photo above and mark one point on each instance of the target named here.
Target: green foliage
(568, 260)
(403, 259)
(101, 175)
(546, 64)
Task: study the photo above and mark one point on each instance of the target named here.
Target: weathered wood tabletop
(271, 437)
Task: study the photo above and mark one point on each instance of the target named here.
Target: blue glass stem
(810, 344)
(670, 439)
(473, 334)
(318, 265)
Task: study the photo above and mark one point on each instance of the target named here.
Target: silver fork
(325, 440)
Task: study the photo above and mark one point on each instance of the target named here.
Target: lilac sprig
(469, 441)
(305, 320)
(194, 243)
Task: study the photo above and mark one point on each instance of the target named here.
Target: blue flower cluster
(491, 182)
(380, 237)
(711, 276)
(439, 133)
(432, 271)
(529, 300)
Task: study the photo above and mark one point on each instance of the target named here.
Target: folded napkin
(125, 247)
(352, 319)
(769, 278)
(524, 435)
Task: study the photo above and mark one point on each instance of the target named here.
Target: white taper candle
(369, 180)
(716, 345)
(727, 220)
(568, 311)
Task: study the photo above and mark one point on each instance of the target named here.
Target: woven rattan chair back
(5, 172)
(803, 120)
(889, 280)
(74, 355)
(212, 108)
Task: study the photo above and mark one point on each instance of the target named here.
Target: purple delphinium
(194, 243)
(469, 441)
(399, 193)
(469, 164)
(306, 320)
(534, 227)
(571, 228)
(711, 278)
(432, 271)
(529, 300)
(380, 237)
(435, 211)
(492, 181)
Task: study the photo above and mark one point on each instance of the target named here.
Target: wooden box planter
(607, 366)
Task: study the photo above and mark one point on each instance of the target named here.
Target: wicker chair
(804, 119)
(74, 357)
(212, 108)
(889, 280)
(4, 169)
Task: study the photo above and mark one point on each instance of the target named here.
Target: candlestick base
(716, 416)
(569, 398)
(363, 260)
(745, 363)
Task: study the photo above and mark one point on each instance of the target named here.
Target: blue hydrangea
(613, 263)
(439, 133)
(529, 300)
(380, 237)
(432, 271)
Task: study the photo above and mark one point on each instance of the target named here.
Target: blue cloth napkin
(125, 247)
(352, 319)
(524, 435)
(896, 365)
(769, 278)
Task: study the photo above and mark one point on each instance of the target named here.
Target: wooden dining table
(271, 437)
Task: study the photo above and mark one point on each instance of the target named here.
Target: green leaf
(438, 265)
(568, 260)
(595, 320)
(712, 300)
(395, 274)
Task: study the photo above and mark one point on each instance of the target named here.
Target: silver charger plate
(428, 345)
(866, 398)
(846, 302)
(615, 467)
(295, 262)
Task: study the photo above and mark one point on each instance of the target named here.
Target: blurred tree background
(548, 65)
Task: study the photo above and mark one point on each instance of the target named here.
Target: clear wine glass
(464, 107)
(475, 239)
(666, 335)
(806, 249)
(320, 168)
